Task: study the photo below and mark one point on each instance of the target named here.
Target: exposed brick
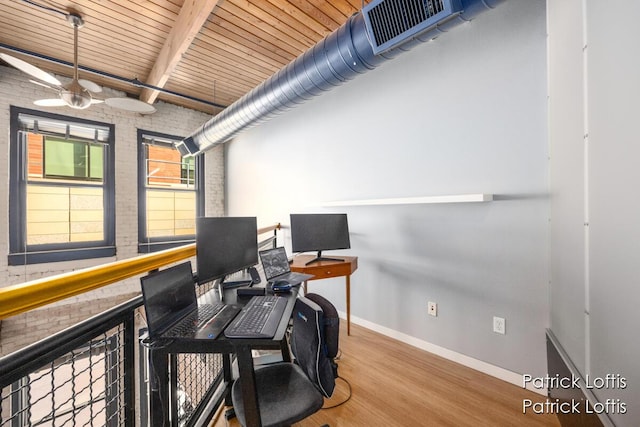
(15, 89)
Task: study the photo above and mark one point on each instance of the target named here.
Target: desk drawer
(325, 271)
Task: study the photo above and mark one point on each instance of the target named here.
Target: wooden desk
(327, 269)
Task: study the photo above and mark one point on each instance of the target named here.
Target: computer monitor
(319, 232)
(225, 245)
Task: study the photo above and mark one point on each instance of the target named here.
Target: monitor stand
(321, 258)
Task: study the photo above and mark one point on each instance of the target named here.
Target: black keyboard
(259, 318)
(190, 324)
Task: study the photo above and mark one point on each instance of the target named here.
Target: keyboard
(190, 324)
(259, 318)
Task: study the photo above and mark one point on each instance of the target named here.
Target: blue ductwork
(334, 60)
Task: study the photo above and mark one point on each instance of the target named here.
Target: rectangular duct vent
(392, 22)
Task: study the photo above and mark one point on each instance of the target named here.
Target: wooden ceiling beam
(192, 16)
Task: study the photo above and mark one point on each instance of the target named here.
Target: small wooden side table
(327, 269)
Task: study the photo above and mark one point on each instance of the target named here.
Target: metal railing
(85, 375)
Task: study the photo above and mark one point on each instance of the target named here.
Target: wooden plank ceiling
(211, 50)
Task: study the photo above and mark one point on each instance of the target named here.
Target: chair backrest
(308, 346)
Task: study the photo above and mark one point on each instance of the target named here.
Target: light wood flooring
(395, 384)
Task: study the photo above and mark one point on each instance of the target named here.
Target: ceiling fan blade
(57, 102)
(32, 70)
(130, 104)
(36, 82)
(90, 86)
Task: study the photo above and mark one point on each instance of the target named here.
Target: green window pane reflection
(73, 160)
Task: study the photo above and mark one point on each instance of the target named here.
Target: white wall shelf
(460, 198)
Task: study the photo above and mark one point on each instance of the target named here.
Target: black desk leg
(228, 380)
(249, 394)
(284, 348)
(159, 389)
(173, 389)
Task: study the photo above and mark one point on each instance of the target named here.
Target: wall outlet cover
(432, 308)
(499, 325)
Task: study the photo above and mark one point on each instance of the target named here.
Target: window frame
(19, 252)
(153, 244)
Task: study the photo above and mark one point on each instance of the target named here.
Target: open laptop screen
(168, 294)
(274, 262)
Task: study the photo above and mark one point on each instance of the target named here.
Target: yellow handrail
(20, 298)
(16, 299)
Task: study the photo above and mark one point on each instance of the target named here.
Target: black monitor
(319, 232)
(225, 245)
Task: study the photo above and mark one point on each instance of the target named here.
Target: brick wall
(166, 163)
(15, 89)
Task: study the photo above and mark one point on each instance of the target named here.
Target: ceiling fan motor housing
(75, 96)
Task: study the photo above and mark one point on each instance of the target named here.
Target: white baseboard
(484, 367)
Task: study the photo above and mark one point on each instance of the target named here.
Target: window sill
(61, 255)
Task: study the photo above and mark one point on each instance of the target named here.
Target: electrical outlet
(499, 325)
(432, 308)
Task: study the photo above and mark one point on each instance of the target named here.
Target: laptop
(172, 308)
(276, 267)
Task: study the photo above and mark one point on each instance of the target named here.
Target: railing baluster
(19, 403)
(91, 397)
(111, 381)
(129, 369)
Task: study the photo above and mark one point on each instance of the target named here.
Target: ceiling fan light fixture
(75, 96)
(75, 100)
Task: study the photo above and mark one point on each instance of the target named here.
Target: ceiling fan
(78, 92)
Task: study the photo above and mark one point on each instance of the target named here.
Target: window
(75, 160)
(170, 192)
(61, 188)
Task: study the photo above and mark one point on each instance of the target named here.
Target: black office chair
(289, 392)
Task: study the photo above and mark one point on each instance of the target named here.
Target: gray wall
(594, 91)
(463, 114)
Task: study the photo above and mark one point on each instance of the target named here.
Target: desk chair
(289, 392)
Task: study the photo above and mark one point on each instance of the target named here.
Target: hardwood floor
(394, 384)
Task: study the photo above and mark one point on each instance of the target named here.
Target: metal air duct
(339, 57)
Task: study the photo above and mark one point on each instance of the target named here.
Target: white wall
(594, 93)
(568, 216)
(464, 114)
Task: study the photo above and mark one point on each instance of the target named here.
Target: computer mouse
(281, 286)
